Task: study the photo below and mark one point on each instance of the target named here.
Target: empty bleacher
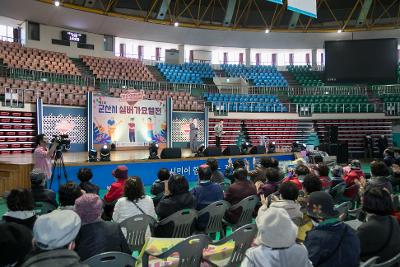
(259, 75)
(245, 103)
(305, 76)
(118, 68)
(186, 73)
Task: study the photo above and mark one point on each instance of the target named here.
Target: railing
(386, 89)
(14, 97)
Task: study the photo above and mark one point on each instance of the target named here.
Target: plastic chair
(136, 228)
(182, 221)
(393, 262)
(225, 186)
(343, 208)
(43, 208)
(111, 259)
(243, 238)
(216, 212)
(370, 262)
(248, 205)
(337, 192)
(190, 252)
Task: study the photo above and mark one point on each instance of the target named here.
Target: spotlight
(271, 147)
(57, 3)
(303, 147)
(339, 31)
(176, 24)
(153, 151)
(92, 157)
(105, 153)
(245, 148)
(200, 151)
(113, 147)
(267, 30)
(296, 147)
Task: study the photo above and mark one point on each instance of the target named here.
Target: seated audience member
(331, 242)
(157, 188)
(272, 183)
(231, 168)
(276, 242)
(337, 173)
(237, 191)
(388, 157)
(134, 202)
(116, 190)
(206, 192)
(396, 153)
(380, 234)
(96, 236)
(39, 192)
(352, 177)
(259, 172)
(216, 174)
(176, 197)
(53, 239)
(85, 175)
(288, 194)
(299, 173)
(15, 243)
(379, 177)
(67, 194)
(323, 171)
(20, 206)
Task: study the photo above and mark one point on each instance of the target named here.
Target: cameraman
(42, 155)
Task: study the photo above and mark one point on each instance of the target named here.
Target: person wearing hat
(15, 243)
(39, 192)
(96, 236)
(53, 238)
(116, 190)
(352, 177)
(276, 242)
(331, 242)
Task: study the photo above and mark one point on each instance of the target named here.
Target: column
(314, 58)
(181, 49)
(248, 59)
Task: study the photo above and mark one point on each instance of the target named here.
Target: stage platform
(14, 169)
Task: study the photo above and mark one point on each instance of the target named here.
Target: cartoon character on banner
(112, 126)
(100, 135)
(131, 130)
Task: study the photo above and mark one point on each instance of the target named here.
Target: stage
(14, 169)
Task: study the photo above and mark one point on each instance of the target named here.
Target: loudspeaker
(171, 153)
(331, 134)
(231, 151)
(341, 151)
(258, 150)
(212, 151)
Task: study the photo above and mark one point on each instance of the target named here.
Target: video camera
(63, 142)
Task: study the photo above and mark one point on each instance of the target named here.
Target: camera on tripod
(63, 142)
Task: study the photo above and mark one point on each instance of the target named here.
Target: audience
(231, 168)
(53, 239)
(157, 189)
(323, 171)
(20, 206)
(272, 182)
(396, 154)
(276, 242)
(352, 177)
(85, 175)
(116, 190)
(337, 175)
(96, 236)
(216, 174)
(67, 194)
(379, 177)
(331, 242)
(299, 173)
(39, 192)
(259, 172)
(237, 191)
(388, 157)
(380, 234)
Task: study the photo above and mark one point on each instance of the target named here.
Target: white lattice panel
(74, 126)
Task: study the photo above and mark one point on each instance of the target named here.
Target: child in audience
(20, 206)
(85, 175)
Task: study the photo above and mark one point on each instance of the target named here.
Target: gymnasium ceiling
(249, 15)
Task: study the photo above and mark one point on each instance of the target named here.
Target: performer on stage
(194, 130)
(219, 131)
(42, 155)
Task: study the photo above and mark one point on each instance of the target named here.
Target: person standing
(132, 128)
(42, 154)
(219, 131)
(194, 130)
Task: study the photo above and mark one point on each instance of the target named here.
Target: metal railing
(386, 89)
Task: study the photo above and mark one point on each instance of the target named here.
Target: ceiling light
(339, 31)
(267, 31)
(176, 24)
(57, 3)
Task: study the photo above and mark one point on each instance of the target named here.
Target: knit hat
(56, 229)
(15, 242)
(320, 205)
(275, 229)
(121, 172)
(37, 176)
(89, 207)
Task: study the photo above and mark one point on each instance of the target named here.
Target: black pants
(218, 141)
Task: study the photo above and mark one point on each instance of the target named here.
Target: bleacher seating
(16, 56)
(246, 103)
(186, 73)
(259, 75)
(181, 100)
(335, 103)
(305, 76)
(118, 68)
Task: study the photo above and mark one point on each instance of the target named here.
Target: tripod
(58, 168)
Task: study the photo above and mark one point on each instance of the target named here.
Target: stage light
(57, 3)
(200, 151)
(105, 153)
(245, 148)
(92, 157)
(296, 147)
(113, 147)
(267, 30)
(153, 151)
(339, 31)
(176, 24)
(303, 147)
(271, 147)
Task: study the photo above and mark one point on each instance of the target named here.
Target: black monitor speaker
(231, 151)
(212, 151)
(171, 153)
(258, 150)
